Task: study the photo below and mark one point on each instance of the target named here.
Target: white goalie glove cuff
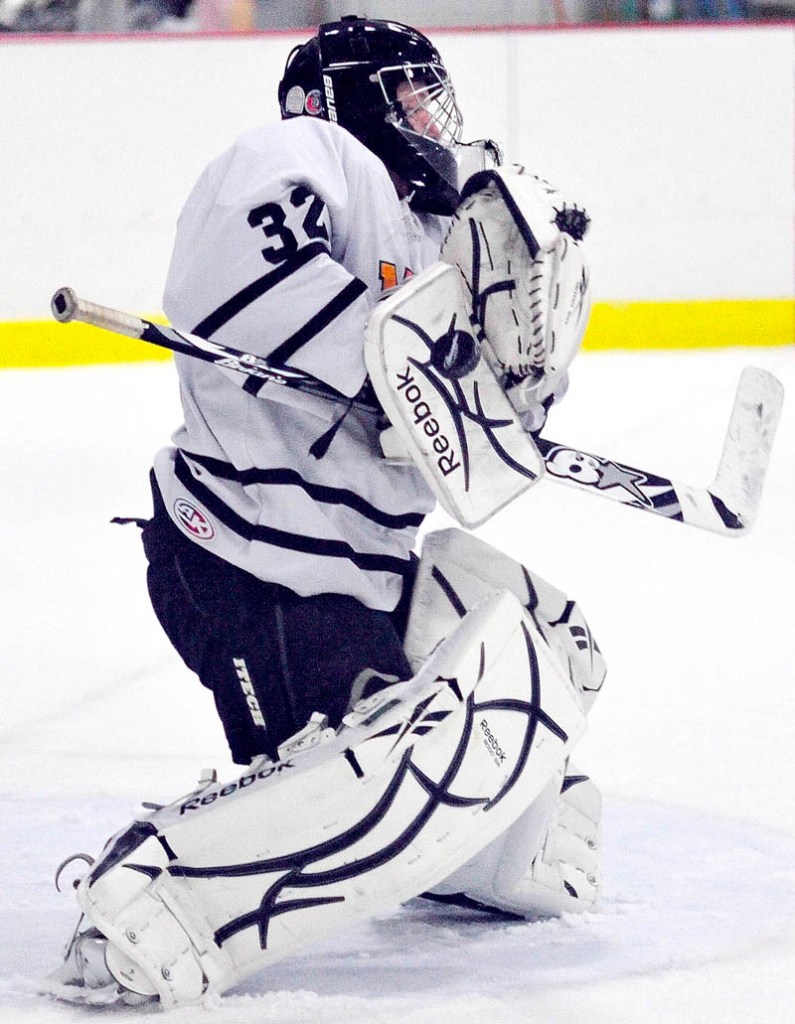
(517, 242)
(533, 398)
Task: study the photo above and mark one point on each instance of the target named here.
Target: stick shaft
(67, 307)
(728, 506)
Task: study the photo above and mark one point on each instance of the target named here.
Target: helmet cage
(421, 101)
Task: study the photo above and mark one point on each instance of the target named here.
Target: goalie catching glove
(512, 288)
(517, 243)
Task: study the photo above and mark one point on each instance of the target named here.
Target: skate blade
(80, 995)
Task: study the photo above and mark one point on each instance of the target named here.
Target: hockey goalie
(400, 726)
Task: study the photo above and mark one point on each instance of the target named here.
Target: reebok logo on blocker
(446, 460)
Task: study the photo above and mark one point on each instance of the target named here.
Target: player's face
(419, 110)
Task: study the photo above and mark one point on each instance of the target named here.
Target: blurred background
(678, 138)
(257, 15)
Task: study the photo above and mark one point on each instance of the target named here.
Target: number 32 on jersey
(302, 218)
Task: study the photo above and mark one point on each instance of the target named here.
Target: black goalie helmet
(386, 84)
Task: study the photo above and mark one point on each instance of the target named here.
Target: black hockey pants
(269, 656)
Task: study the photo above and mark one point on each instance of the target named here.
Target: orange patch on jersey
(388, 275)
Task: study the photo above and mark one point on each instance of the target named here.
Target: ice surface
(691, 740)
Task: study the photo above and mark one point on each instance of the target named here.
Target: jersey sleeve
(259, 261)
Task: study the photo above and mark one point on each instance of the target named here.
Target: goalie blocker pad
(449, 414)
(203, 893)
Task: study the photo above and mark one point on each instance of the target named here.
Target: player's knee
(457, 571)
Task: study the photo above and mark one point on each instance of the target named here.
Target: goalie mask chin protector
(385, 83)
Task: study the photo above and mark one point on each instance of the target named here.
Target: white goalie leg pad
(449, 414)
(422, 775)
(547, 863)
(457, 571)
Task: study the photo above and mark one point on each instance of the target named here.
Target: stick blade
(743, 465)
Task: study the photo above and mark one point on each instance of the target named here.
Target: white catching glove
(517, 242)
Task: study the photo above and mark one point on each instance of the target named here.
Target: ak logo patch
(193, 520)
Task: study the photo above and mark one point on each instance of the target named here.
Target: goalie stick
(730, 503)
(728, 506)
(66, 307)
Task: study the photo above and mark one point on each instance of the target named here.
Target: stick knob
(64, 305)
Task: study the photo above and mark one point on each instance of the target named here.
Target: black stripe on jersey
(318, 492)
(349, 294)
(229, 309)
(282, 538)
(317, 323)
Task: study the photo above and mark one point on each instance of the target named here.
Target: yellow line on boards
(717, 323)
(45, 343)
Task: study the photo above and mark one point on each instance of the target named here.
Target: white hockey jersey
(282, 248)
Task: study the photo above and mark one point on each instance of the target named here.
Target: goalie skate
(85, 977)
(207, 891)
